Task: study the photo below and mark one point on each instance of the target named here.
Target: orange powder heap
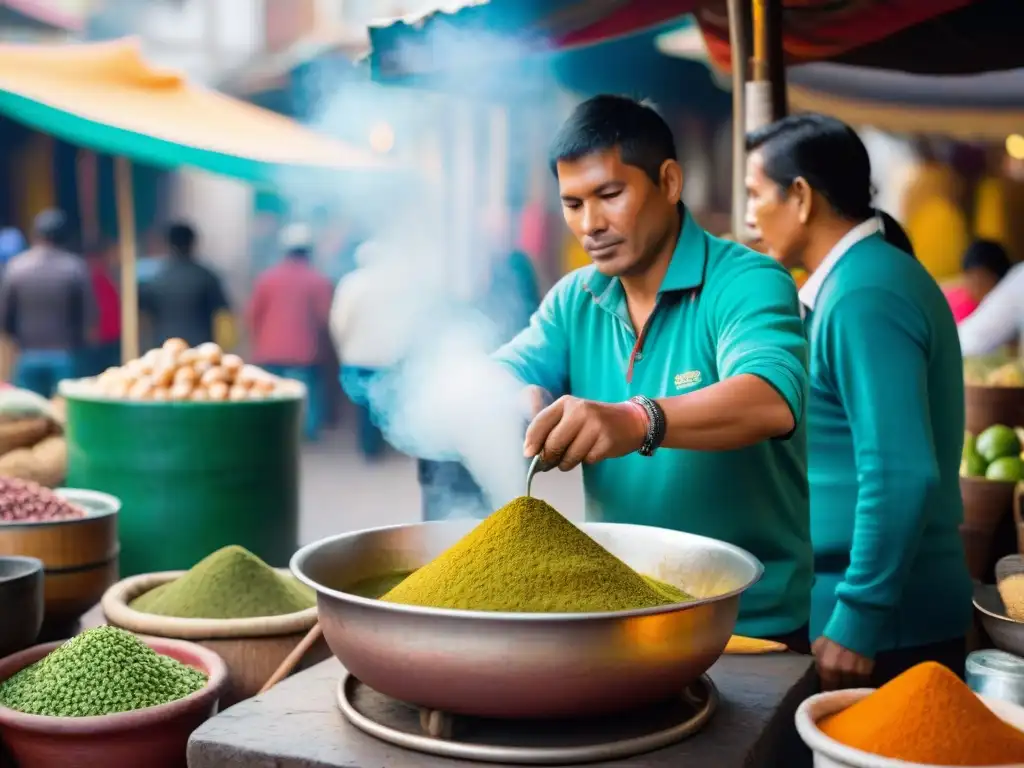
(927, 715)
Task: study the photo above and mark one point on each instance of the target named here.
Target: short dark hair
(51, 226)
(182, 238)
(609, 122)
(826, 152)
(988, 255)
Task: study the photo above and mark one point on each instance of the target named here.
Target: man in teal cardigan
(885, 413)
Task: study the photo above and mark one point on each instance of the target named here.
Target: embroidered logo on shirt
(687, 380)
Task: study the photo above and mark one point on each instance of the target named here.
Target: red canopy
(814, 30)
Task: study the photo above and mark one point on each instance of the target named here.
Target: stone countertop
(298, 725)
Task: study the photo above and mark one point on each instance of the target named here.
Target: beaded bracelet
(656, 425)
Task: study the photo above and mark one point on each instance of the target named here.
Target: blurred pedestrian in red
(104, 350)
(288, 312)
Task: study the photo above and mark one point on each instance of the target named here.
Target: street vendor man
(885, 410)
(676, 362)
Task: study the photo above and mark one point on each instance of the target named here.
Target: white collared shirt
(998, 319)
(810, 290)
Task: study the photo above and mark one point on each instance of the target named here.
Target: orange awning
(106, 97)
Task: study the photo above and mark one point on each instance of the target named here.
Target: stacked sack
(32, 444)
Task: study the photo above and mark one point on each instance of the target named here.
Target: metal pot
(518, 665)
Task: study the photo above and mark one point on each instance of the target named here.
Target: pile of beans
(22, 501)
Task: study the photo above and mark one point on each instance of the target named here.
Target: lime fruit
(1009, 469)
(970, 445)
(973, 466)
(997, 442)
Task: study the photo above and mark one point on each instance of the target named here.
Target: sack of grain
(23, 432)
(59, 408)
(19, 463)
(18, 404)
(50, 459)
(46, 463)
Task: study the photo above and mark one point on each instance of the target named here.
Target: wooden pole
(759, 67)
(738, 48)
(129, 282)
(775, 56)
(759, 89)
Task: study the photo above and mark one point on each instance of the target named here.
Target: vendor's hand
(839, 667)
(571, 431)
(535, 399)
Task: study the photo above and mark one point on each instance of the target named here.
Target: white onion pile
(200, 374)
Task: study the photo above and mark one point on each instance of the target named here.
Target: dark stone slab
(298, 725)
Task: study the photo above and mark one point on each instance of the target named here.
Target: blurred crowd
(60, 310)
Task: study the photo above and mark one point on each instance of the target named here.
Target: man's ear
(804, 196)
(671, 181)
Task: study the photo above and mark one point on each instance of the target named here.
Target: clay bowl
(21, 602)
(155, 737)
(986, 406)
(80, 556)
(253, 649)
(988, 506)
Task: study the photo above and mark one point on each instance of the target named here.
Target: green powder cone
(232, 583)
(527, 558)
(100, 672)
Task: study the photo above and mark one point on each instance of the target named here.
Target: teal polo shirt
(723, 310)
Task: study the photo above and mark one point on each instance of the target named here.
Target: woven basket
(252, 648)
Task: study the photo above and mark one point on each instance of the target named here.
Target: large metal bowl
(517, 665)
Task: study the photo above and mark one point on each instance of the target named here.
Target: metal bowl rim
(980, 589)
(298, 559)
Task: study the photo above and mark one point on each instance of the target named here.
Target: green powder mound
(100, 672)
(671, 593)
(527, 558)
(232, 583)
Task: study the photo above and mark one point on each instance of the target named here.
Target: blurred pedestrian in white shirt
(998, 320)
(370, 323)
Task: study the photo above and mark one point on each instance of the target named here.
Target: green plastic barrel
(192, 477)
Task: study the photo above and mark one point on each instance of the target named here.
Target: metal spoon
(536, 466)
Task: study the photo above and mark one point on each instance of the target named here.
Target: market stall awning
(986, 106)
(499, 29)
(924, 36)
(814, 30)
(105, 96)
(270, 71)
